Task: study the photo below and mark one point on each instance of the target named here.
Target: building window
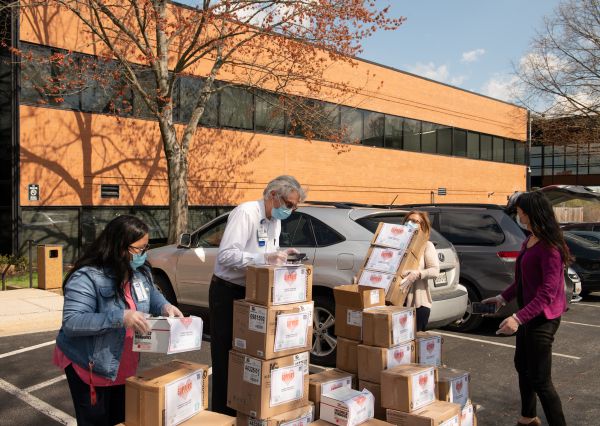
(559, 160)
(583, 166)
(509, 151)
(147, 81)
(374, 123)
(393, 132)
(327, 121)
(429, 137)
(109, 95)
(498, 147)
(594, 158)
(411, 135)
(268, 115)
(236, 109)
(444, 140)
(520, 152)
(486, 147)
(459, 143)
(548, 159)
(571, 160)
(535, 160)
(473, 145)
(351, 124)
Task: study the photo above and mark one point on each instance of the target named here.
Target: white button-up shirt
(240, 243)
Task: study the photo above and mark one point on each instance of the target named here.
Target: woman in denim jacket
(107, 295)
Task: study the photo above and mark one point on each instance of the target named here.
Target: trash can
(49, 266)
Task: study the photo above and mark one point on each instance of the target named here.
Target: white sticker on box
(345, 382)
(403, 327)
(354, 318)
(287, 384)
(291, 331)
(384, 260)
(395, 236)
(289, 285)
(252, 370)
(240, 343)
(257, 319)
(302, 421)
(430, 351)
(303, 360)
(183, 398)
(186, 334)
(467, 415)
(459, 390)
(454, 421)
(399, 355)
(376, 279)
(423, 389)
(308, 308)
(374, 298)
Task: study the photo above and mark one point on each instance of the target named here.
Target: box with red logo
(394, 236)
(408, 387)
(370, 422)
(269, 285)
(166, 395)
(272, 331)
(347, 407)
(438, 413)
(390, 283)
(350, 301)
(373, 359)
(206, 418)
(347, 355)
(266, 388)
(453, 385)
(468, 415)
(327, 381)
(375, 389)
(302, 416)
(388, 326)
(429, 347)
(170, 335)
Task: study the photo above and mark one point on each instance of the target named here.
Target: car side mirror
(185, 240)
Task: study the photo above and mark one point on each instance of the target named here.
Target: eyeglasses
(418, 222)
(289, 204)
(140, 250)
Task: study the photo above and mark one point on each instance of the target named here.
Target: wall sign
(33, 191)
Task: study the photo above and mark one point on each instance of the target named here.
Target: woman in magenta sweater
(539, 290)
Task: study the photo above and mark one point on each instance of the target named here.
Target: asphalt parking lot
(34, 392)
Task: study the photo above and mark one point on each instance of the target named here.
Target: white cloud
(502, 87)
(472, 55)
(435, 72)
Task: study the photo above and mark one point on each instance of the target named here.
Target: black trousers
(422, 317)
(110, 405)
(221, 296)
(533, 361)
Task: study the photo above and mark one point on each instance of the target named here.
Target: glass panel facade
(595, 158)
(509, 151)
(411, 135)
(473, 145)
(444, 140)
(429, 137)
(548, 160)
(559, 160)
(351, 124)
(486, 147)
(520, 150)
(269, 116)
(393, 132)
(236, 108)
(583, 166)
(374, 123)
(536, 161)
(459, 143)
(498, 153)
(571, 160)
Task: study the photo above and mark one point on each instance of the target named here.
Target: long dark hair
(110, 251)
(542, 221)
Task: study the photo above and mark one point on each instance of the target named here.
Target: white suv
(335, 238)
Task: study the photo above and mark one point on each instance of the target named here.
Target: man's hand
(169, 310)
(136, 320)
(276, 258)
(291, 250)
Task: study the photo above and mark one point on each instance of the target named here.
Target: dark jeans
(110, 404)
(422, 317)
(221, 296)
(533, 361)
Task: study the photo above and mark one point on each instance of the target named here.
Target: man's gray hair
(283, 186)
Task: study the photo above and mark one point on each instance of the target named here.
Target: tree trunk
(177, 169)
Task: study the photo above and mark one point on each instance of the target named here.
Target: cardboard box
(347, 407)
(383, 259)
(299, 417)
(438, 413)
(429, 347)
(327, 381)
(166, 395)
(375, 389)
(270, 285)
(266, 388)
(394, 236)
(468, 416)
(347, 355)
(208, 418)
(388, 326)
(390, 283)
(373, 359)
(350, 301)
(272, 332)
(408, 387)
(170, 335)
(453, 385)
(370, 422)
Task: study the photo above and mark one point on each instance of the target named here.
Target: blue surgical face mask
(412, 224)
(282, 212)
(138, 260)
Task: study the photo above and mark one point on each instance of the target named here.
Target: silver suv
(335, 238)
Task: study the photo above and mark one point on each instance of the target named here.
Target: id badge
(262, 236)
(140, 291)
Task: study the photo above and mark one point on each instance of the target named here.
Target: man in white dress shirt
(251, 237)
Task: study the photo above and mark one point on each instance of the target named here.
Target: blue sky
(492, 34)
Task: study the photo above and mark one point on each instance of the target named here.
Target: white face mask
(521, 224)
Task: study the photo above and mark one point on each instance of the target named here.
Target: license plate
(440, 280)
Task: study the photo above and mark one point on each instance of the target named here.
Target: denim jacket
(92, 331)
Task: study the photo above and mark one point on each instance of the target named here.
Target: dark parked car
(587, 262)
(593, 236)
(582, 226)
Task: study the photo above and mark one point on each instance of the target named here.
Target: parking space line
(581, 323)
(587, 304)
(29, 348)
(38, 404)
(505, 345)
(45, 384)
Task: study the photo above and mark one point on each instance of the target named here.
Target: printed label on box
(332, 385)
(287, 384)
(302, 421)
(459, 390)
(395, 236)
(466, 417)
(240, 343)
(290, 331)
(361, 408)
(430, 351)
(384, 260)
(374, 297)
(183, 398)
(376, 279)
(257, 319)
(186, 334)
(354, 318)
(423, 389)
(257, 422)
(252, 370)
(289, 285)
(308, 308)
(302, 359)
(399, 355)
(454, 421)
(403, 327)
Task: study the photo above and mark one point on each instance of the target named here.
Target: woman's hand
(169, 310)
(136, 320)
(411, 276)
(497, 300)
(508, 326)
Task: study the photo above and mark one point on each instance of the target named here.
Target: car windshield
(580, 241)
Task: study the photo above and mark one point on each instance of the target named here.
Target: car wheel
(469, 321)
(323, 350)
(162, 284)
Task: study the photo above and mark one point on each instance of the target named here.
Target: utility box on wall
(49, 266)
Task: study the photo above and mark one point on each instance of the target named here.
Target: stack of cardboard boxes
(272, 334)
